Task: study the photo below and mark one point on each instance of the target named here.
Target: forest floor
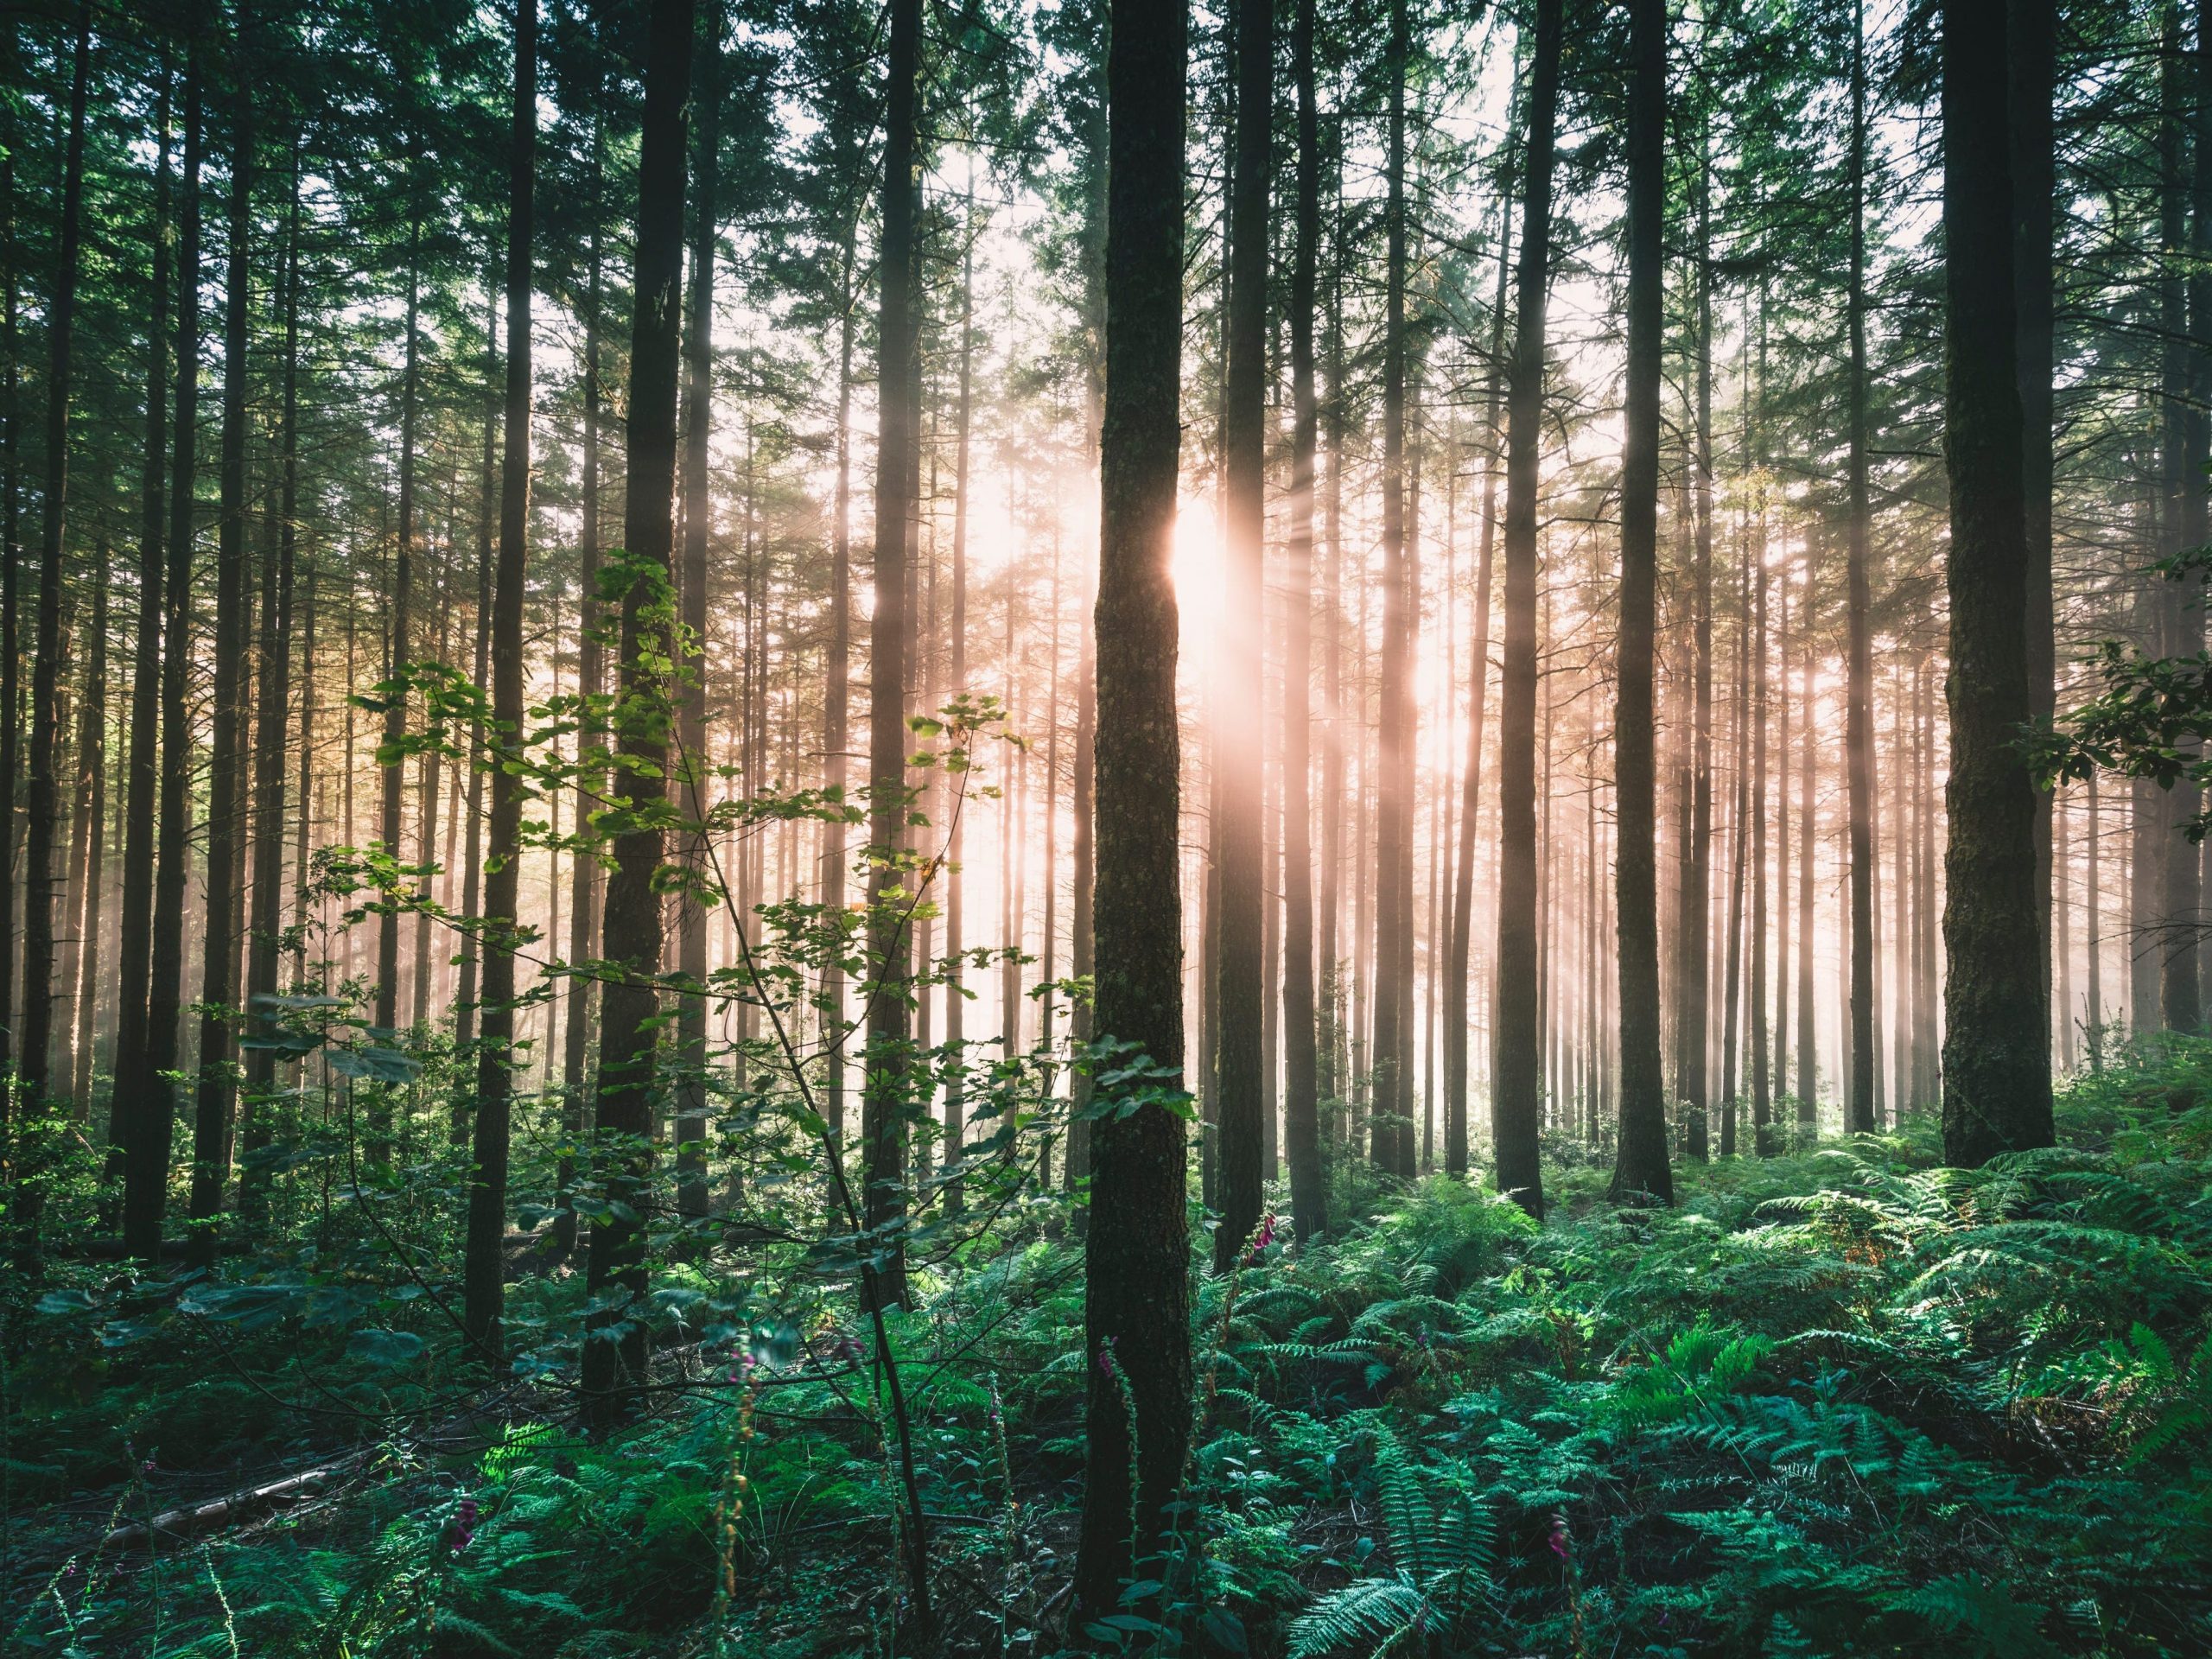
(1838, 1402)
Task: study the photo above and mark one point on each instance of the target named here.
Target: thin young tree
(90, 857)
(688, 1103)
(1309, 1192)
(1457, 1025)
(133, 1086)
(1694, 1007)
(385, 1005)
(214, 1082)
(585, 877)
(1859, 671)
(483, 1275)
(1392, 1131)
(146, 1181)
(264, 940)
(1238, 674)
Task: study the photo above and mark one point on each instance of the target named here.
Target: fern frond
(1378, 1611)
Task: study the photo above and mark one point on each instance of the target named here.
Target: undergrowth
(1841, 1401)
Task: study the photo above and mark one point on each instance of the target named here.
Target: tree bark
(884, 1103)
(615, 1347)
(146, 1195)
(91, 784)
(586, 882)
(1858, 1117)
(1693, 1014)
(2180, 997)
(955, 993)
(688, 1103)
(134, 1086)
(1641, 1167)
(468, 994)
(1391, 1066)
(211, 1134)
(265, 938)
(1731, 987)
(837, 699)
(1458, 1030)
(1754, 990)
(1137, 1297)
(385, 1010)
(1806, 1088)
(1240, 674)
(1517, 1089)
(1997, 1040)
(483, 1275)
(1309, 1192)
(36, 1034)
(2031, 52)
(11, 482)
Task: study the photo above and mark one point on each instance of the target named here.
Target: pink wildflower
(1264, 1237)
(464, 1525)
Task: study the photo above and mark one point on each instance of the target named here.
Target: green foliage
(1438, 1538)
(1842, 1402)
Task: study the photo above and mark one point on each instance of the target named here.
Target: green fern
(1979, 1618)
(1438, 1539)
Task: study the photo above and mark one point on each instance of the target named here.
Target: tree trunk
(211, 1135)
(265, 938)
(483, 1269)
(1997, 1038)
(836, 700)
(1641, 1167)
(34, 1055)
(688, 1095)
(1240, 674)
(469, 993)
(585, 884)
(1517, 1088)
(1754, 990)
(132, 1093)
(1782, 899)
(1309, 1192)
(92, 784)
(2094, 979)
(1391, 1059)
(1858, 1117)
(11, 481)
(955, 993)
(2031, 51)
(385, 1011)
(146, 1195)
(614, 1358)
(2180, 1000)
(1458, 1024)
(1731, 990)
(1807, 1061)
(1137, 1298)
(1693, 1014)
(884, 1103)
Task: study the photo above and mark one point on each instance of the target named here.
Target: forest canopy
(1189, 827)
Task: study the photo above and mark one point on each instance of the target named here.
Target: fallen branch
(217, 1512)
